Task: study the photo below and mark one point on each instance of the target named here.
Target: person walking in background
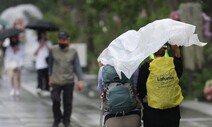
(14, 57)
(41, 63)
(63, 64)
(159, 90)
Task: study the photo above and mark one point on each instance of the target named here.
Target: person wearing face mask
(63, 65)
(14, 57)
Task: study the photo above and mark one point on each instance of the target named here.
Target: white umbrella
(21, 11)
(128, 50)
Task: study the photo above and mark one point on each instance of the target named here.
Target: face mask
(62, 46)
(13, 44)
(14, 41)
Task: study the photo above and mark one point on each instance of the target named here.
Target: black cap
(63, 34)
(165, 46)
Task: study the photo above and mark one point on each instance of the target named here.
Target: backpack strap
(109, 115)
(101, 110)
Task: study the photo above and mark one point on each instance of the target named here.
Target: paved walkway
(194, 113)
(31, 110)
(23, 111)
(202, 107)
(85, 109)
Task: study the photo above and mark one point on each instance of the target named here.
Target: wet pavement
(23, 111)
(192, 118)
(31, 110)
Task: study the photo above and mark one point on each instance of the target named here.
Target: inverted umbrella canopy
(128, 50)
(42, 25)
(9, 33)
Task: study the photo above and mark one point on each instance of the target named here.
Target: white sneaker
(12, 92)
(45, 93)
(17, 92)
(38, 90)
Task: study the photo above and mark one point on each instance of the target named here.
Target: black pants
(153, 124)
(161, 118)
(43, 79)
(67, 92)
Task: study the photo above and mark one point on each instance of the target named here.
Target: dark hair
(40, 35)
(63, 34)
(160, 52)
(14, 40)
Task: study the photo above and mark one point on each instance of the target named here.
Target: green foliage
(199, 76)
(8, 3)
(64, 22)
(47, 6)
(199, 80)
(141, 22)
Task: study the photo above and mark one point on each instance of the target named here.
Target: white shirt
(14, 59)
(43, 53)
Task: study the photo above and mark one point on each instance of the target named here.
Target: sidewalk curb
(198, 106)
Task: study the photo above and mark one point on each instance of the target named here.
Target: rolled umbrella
(42, 25)
(9, 32)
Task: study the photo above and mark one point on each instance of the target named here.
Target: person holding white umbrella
(130, 49)
(159, 89)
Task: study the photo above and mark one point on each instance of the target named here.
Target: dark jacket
(156, 115)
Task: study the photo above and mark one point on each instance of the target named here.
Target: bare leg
(18, 77)
(12, 76)
(18, 82)
(12, 82)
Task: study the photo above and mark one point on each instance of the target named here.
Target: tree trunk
(173, 4)
(193, 56)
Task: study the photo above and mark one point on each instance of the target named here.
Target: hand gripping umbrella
(9, 32)
(42, 25)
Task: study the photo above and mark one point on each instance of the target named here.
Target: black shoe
(55, 124)
(67, 124)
